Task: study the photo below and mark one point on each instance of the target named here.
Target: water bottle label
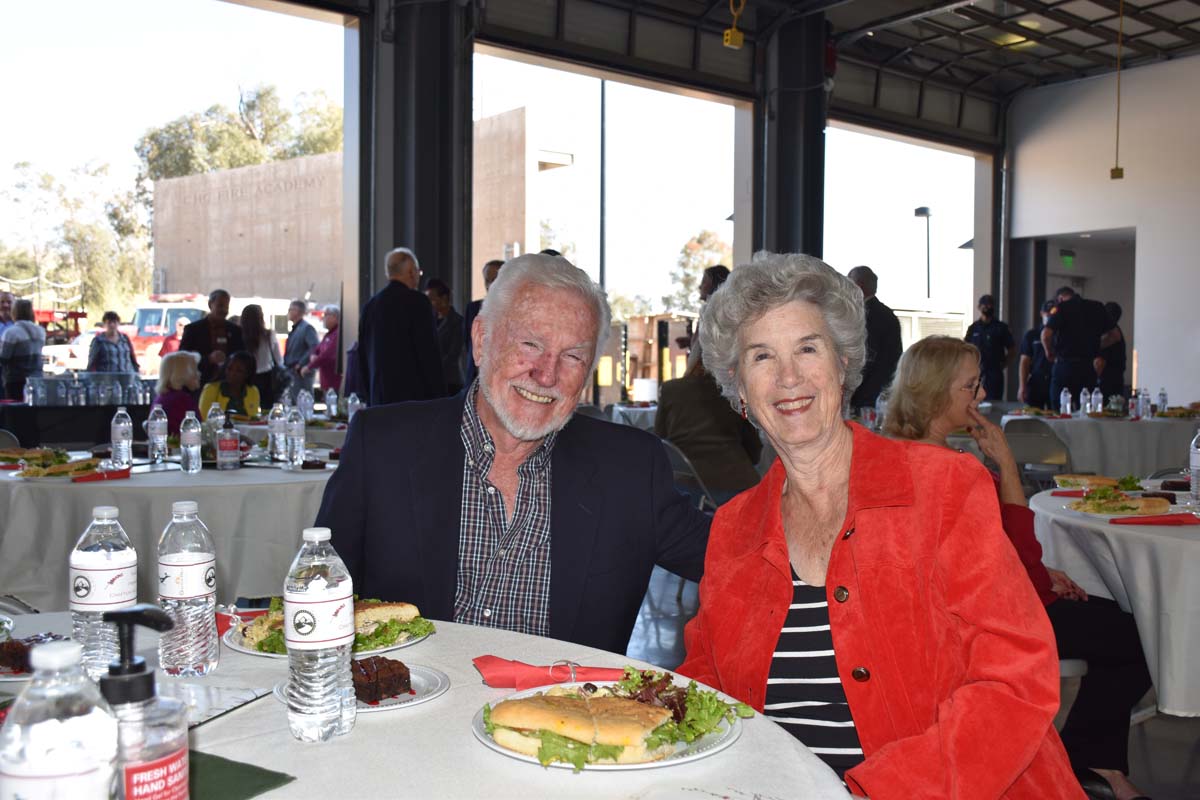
(165, 778)
(189, 438)
(186, 576)
(157, 427)
(103, 581)
(19, 782)
(316, 620)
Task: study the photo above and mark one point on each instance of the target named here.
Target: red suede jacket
(947, 657)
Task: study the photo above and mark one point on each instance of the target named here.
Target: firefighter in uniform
(1073, 337)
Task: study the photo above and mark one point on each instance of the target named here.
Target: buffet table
(1151, 572)
(1121, 446)
(429, 750)
(255, 515)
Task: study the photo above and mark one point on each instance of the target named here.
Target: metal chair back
(687, 478)
(8, 439)
(1039, 451)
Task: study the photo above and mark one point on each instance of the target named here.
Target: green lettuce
(1129, 483)
(577, 754)
(488, 725)
(273, 643)
(632, 681)
(389, 632)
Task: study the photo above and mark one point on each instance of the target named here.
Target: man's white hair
(552, 272)
(387, 261)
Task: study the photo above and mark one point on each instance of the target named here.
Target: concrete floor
(1164, 752)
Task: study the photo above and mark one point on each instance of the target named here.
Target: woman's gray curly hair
(771, 280)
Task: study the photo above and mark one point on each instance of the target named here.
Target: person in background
(723, 447)
(262, 344)
(1110, 364)
(937, 391)
(212, 337)
(301, 341)
(111, 350)
(864, 595)
(1034, 369)
(512, 511)
(883, 340)
(490, 270)
(6, 308)
(449, 334)
(234, 392)
(351, 384)
(996, 347)
(1074, 336)
(171, 343)
(398, 355)
(711, 280)
(324, 356)
(21, 350)
(178, 380)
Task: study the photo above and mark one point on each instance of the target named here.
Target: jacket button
(861, 674)
(841, 594)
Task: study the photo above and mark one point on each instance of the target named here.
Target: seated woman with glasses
(937, 390)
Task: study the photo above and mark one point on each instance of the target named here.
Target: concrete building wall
(273, 230)
(1061, 140)
(499, 169)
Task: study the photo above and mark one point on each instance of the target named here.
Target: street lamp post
(924, 211)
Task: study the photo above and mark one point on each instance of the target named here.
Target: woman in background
(178, 380)
(234, 392)
(936, 391)
(21, 350)
(111, 350)
(261, 344)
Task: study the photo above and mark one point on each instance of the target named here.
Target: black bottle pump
(128, 680)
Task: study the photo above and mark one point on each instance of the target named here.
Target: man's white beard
(516, 429)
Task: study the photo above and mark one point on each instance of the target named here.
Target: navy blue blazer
(398, 354)
(394, 506)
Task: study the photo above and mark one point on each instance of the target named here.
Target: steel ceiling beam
(1032, 35)
(851, 36)
(1086, 26)
(1153, 20)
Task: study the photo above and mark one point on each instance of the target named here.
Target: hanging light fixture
(1117, 173)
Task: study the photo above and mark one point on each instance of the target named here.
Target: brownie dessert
(377, 678)
(1168, 496)
(1176, 486)
(14, 653)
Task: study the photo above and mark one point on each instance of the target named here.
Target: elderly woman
(234, 393)
(864, 595)
(21, 350)
(325, 355)
(178, 380)
(111, 350)
(936, 391)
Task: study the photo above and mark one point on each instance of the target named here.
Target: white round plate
(427, 684)
(725, 735)
(233, 641)
(7, 675)
(1175, 509)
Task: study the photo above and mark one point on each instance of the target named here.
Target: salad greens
(389, 632)
(1129, 483)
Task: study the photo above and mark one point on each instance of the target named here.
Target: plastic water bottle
(353, 406)
(277, 433)
(229, 443)
(1162, 399)
(1194, 468)
(1147, 411)
(295, 437)
(189, 443)
(28, 395)
(1064, 402)
(1085, 402)
(214, 422)
(318, 614)
(156, 429)
(187, 591)
(60, 738)
(1097, 400)
(122, 438)
(103, 578)
(305, 402)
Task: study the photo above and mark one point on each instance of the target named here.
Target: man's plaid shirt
(503, 567)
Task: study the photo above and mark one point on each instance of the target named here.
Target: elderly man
(501, 507)
(490, 270)
(398, 356)
(883, 340)
(213, 337)
(301, 342)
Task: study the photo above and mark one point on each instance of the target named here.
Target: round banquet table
(1150, 571)
(635, 416)
(1120, 446)
(321, 437)
(255, 514)
(429, 751)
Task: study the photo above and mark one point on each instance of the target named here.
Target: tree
(623, 306)
(320, 126)
(703, 250)
(550, 238)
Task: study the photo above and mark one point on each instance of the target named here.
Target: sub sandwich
(70, 469)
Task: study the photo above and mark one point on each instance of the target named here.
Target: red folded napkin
(10, 466)
(1067, 493)
(1160, 519)
(111, 475)
(500, 673)
(225, 621)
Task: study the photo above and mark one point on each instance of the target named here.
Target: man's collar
(477, 439)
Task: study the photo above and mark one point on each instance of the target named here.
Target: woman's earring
(743, 402)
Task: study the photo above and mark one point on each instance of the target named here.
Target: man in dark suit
(213, 337)
(449, 334)
(883, 340)
(398, 355)
(501, 507)
(490, 270)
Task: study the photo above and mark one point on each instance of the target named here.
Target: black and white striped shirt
(804, 692)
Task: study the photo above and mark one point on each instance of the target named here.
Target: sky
(112, 70)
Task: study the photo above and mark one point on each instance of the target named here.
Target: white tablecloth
(1151, 571)
(1117, 447)
(255, 515)
(635, 416)
(428, 751)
